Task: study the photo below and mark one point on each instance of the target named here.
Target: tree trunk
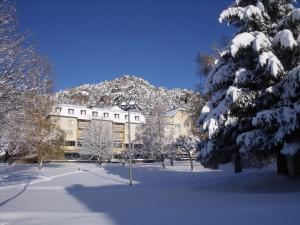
(172, 161)
(282, 168)
(191, 161)
(100, 161)
(237, 162)
(41, 162)
(163, 161)
(6, 157)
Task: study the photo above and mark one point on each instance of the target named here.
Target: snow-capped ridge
(109, 93)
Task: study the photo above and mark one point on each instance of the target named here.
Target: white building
(73, 119)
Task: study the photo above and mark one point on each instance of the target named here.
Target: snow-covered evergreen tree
(254, 108)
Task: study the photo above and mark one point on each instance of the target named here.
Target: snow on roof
(114, 113)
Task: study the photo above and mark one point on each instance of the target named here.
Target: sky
(89, 41)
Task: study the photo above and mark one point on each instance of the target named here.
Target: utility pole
(129, 140)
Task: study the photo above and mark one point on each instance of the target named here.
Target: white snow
(220, 75)
(290, 148)
(285, 39)
(88, 115)
(242, 76)
(265, 117)
(231, 121)
(233, 94)
(257, 40)
(270, 89)
(294, 16)
(243, 13)
(261, 42)
(248, 139)
(285, 118)
(260, 6)
(242, 40)
(216, 116)
(172, 196)
(206, 108)
(207, 148)
(272, 63)
(252, 11)
(292, 83)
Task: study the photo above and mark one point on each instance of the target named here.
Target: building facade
(178, 122)
(74, 119)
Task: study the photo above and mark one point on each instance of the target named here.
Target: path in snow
(75, 193)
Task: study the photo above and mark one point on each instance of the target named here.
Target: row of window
(95, 114)
(70, 143)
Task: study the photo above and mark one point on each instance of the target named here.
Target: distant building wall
(74, 119)
(178, 122)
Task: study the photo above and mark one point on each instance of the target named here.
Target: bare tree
(96, 141)
(187, 144)
(155, 135)
(24, 85)
(205, 62)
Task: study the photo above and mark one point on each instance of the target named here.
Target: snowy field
(77, 193)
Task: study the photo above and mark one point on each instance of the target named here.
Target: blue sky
(88, 41)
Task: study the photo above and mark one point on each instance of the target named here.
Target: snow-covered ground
(77, 193)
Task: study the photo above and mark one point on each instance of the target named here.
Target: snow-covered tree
(188, 145)
(254, 108)
(97, 141)
(25, 87)
(155, 135)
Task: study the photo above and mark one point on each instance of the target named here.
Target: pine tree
(254, 87)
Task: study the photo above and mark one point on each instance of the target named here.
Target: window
(117, 116)
(105, 115)
(178, 127)
(117, 145)
(71, 123)
(69, 132)
(95, 114)
(137, 118)
(119, 136)
(58, 109)
(83, 112)
(70, 143)
(71, 111)
(126, 117)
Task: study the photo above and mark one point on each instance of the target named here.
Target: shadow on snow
(161, 196)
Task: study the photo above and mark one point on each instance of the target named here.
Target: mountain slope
(109, 93)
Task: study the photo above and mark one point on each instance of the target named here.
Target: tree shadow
(264, 182)
(20, 173)
(147, 202)
(161, 196)
(104, 177)
(16, 195)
